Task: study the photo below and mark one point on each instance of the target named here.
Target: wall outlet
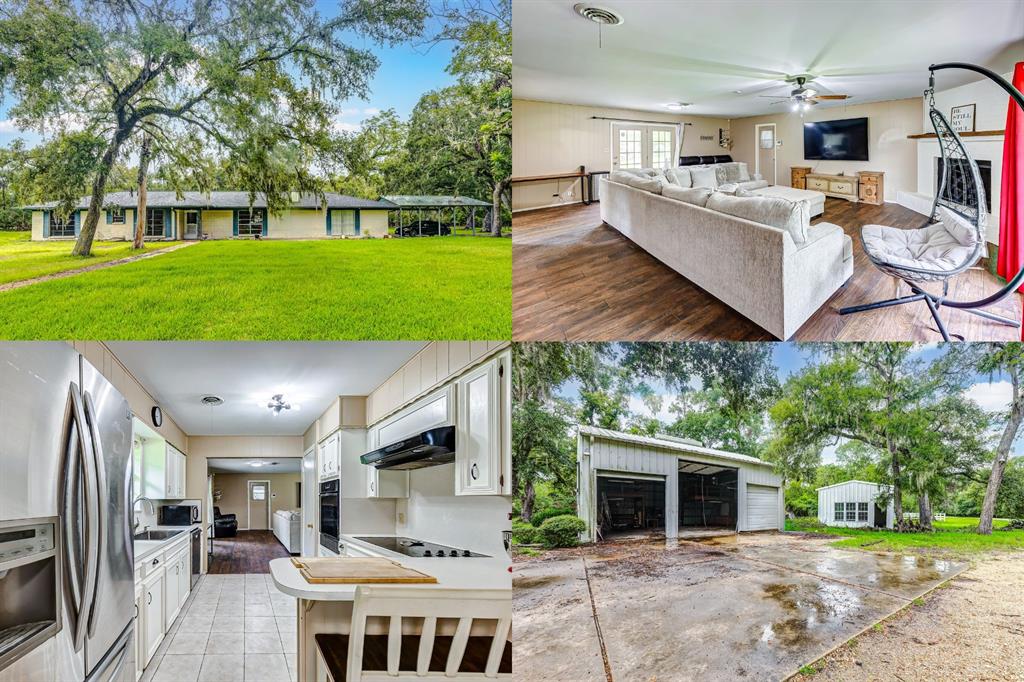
(401, 518)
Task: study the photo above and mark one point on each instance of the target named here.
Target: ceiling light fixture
(796, 106)
(738, 92)
(256, 464)
(212, 400)
(677, 106)
(601, 16)
(277, 403)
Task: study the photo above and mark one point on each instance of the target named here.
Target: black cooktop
(417, 548)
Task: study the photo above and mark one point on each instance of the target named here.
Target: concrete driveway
(752, 606)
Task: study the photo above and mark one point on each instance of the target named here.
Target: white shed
(628, 483)
(856, 503)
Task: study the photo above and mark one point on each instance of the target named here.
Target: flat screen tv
(844, 140)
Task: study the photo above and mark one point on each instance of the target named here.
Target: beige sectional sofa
(759, 255)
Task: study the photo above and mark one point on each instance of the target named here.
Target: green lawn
(21, 258)
(320, 289)
(953, 536)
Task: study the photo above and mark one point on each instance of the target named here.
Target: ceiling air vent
(598, 15)
(212, 400)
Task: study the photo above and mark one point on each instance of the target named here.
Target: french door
(643, 146)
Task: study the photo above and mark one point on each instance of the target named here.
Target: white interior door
(259, 505)
(309, 503)
(643, 146)
(765, 135)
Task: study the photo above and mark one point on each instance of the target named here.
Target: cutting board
(356, 570)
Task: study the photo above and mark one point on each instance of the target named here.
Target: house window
(630, 150)
(661, 148)
(117, 216)
(250, 222)
(154, 222)
(862, 511)
(839, 512)
(851, 511)
(61, 226)
(259, 492)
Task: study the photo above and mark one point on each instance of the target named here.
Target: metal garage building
(629, 483)
(856, 503)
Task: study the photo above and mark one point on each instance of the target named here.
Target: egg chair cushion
(930, 248)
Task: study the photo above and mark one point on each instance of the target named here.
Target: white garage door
(762, 507)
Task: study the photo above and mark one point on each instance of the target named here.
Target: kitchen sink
(157, 534)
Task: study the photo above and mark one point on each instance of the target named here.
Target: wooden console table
(838, 186)
(581, 173)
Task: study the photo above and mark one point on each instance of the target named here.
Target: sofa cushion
(754, 184)
(621, 176)
(704, 176)
(958, 226)
(697, 196)
(679, 176)
(791, 216)
(744, 173)
(732, 171)
(647, 184)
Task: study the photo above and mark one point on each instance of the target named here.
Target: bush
(1014, 524)
(561, 531)
(540, 517)
(523, 533)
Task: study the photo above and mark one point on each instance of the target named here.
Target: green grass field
(326, 289)
(21, 258)
(954, 536)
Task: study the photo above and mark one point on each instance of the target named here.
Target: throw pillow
(653, 185)
(621, 176)
(698, 196)
(958, 226)
(720, 173)
(744, 173)
(792, 216)
(744, 192)
(732, 172)
(679, 176)
(704, 176)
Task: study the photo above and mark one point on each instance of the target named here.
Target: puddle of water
(806, 612)
(528, 582)
(717, 540)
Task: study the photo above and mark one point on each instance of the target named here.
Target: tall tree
(255, 78)
(140, 214)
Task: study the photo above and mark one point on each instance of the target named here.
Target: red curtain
(1011, 204)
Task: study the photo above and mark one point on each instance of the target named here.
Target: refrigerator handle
(69, 481)
(92, 516)
(100, 480)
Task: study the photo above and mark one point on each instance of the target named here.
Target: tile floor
(234, 628)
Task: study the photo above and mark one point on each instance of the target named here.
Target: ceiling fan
(806, 94)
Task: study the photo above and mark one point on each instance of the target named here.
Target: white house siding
(37, 226)
(218, 224)
(851, 491)
(297, 223)
(115, 231)
(373, 223)
(601, 454)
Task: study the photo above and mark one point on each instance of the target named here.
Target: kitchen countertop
(145, 548)
(477, 573)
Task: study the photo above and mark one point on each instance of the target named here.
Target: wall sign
(962, 118)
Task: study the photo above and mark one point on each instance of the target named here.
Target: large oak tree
(257, 80)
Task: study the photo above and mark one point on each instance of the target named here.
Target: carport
(449, 213)
(630, 483)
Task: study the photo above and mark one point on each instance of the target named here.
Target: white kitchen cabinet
(481, 441)
(329, 457)
(171, 586)
(153, 613)
(183, 574)
(140, 635)
(175, 473)
(163, 469)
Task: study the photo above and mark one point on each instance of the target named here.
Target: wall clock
(158, 416)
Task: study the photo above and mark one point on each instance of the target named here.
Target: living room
(819, 112)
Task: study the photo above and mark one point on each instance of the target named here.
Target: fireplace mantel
(976, 133)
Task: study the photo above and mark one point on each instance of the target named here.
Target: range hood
(427, 449)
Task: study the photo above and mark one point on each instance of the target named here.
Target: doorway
(643, 146)
(707, 497)
(765, 161)
(630, 506)
(258, 502)
(192, 225)
(309, 503)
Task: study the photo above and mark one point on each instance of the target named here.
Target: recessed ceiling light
(677, 106)
(212, 400)
(256, 464)
(599, 15)
(738, 92)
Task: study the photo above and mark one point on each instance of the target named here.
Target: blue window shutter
(328, 222)
(46, 224)
(265, 219)
(234, 222)
(357, 222)
(167, 223)
(108, 216)
(75, 216)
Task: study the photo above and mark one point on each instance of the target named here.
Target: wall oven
(330, 514)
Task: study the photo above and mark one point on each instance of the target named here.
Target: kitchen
(432, 507)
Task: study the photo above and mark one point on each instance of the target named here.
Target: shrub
(523, 533)
(1014, 524)
(540, 517)
(561, 531)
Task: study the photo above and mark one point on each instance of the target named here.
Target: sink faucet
(141, 498)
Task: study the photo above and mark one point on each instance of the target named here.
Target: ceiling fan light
(796, 106)
(807, 107)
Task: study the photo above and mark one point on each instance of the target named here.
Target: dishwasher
(197, 555)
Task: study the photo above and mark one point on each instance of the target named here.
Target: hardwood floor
(248, 552)
(576, 279)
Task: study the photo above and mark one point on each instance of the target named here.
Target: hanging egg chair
(952, 238)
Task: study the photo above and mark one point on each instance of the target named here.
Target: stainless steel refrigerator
(66, 592)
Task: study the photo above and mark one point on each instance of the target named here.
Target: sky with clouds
(990, 393)
(406, 72)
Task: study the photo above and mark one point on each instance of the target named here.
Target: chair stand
(934, 303)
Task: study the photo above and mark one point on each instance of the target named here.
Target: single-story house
(627, 482)
(218, 215)
(856, 504)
